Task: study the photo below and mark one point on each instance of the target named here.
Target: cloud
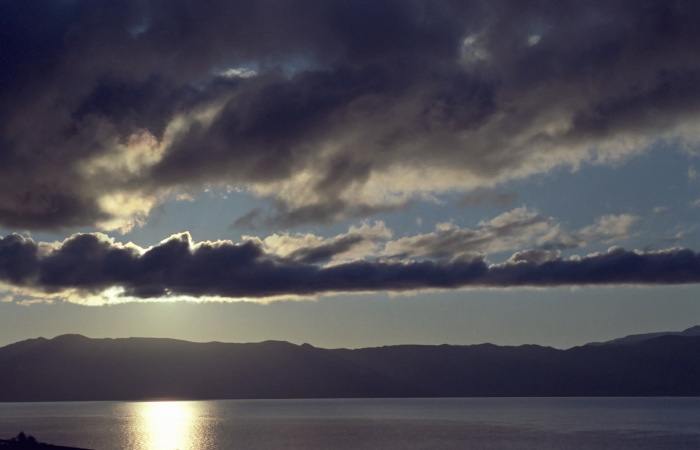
(534, 256)
(332, 109)
(308, 248)
(614, 267)
(606, 229)
(509, 230)
(93, 264)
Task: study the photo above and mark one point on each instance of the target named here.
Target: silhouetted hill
(637, 338)
(78, 368)
(73, 367)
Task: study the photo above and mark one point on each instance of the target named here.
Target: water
(457, 423)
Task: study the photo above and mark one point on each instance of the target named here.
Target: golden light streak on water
(169, 425)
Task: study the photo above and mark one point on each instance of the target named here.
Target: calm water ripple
(464, 423)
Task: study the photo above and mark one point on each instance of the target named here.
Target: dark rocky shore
(22, 442)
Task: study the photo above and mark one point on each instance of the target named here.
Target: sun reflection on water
(170, 425)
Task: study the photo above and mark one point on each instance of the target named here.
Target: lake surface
(454, 423)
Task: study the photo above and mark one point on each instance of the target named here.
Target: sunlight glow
(167, 425)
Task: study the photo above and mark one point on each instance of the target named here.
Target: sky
(349, 173)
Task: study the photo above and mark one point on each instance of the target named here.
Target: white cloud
(510, 230)
(533, 39)
(359, 242)
(239, 72)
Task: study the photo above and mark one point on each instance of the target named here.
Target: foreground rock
(22, 441)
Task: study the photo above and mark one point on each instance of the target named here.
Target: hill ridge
(74, 369)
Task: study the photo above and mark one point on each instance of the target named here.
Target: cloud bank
(331, 109)
(305, 265)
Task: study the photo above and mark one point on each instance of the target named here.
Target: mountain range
(637, 338)
(77, 368)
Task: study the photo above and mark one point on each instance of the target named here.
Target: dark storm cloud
(177, 266)
(324, 106)
(616, 266)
